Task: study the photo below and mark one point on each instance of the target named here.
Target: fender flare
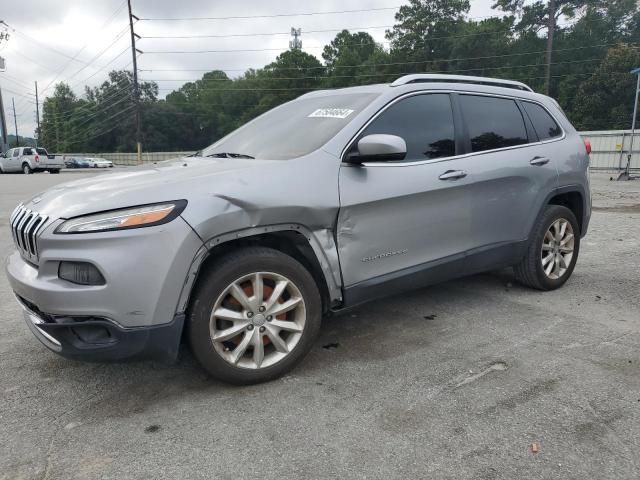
(559, 191)
(321, 242)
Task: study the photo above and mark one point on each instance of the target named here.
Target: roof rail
(431, 77)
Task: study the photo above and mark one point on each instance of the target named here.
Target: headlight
(135, 217)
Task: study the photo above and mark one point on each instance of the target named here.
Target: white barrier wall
(609, 151)
(610, 148)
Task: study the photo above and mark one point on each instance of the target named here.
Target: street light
(626, 175)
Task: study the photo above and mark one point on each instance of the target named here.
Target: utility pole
(626, 174)
(15, 121)
(4, 140)
(136, 87)
(4, 144)
(37, 115)
(550, 32)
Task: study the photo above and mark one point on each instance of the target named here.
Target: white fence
(610, 149)
(124, 158)
(609, 152)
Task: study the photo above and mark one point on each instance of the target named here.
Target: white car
(99, 162)
(28, 160)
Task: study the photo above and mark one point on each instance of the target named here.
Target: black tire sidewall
(221, 274)
(551, 215)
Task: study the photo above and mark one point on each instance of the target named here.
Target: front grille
(25, 226)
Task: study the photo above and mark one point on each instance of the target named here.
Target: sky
(79, 41)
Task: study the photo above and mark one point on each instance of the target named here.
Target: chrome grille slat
(18, 223)
(20, 228)
(27, 233)
(25, 226)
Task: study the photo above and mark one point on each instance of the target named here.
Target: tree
(607, 97)
(535, 16)
(423, 30)
(344, 55)
(57, 111)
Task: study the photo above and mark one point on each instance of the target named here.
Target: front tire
(26, 169)
(552, 251)
(255, 314)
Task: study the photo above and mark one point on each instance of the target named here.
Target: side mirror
(379, 147)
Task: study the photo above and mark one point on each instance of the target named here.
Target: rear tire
(54, 171)
(264, 344)
(552, 251)
(26, 169)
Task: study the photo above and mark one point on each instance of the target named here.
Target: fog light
(82, 273)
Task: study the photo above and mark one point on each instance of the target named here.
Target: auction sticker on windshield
(331, 113)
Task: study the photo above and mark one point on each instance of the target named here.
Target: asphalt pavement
(477, 378)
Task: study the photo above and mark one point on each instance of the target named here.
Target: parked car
(325, 202)
(28, 160)
(73, 162)
(99, 162)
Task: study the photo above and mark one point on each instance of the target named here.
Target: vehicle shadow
(128, 388)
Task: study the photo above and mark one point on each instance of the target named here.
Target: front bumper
(134, 312)
(101, 339)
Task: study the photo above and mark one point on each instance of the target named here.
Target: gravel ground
(456, 381)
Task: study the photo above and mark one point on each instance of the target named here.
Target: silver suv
(320, 204)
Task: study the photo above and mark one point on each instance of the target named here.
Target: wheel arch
(316, 250)
(574, 199)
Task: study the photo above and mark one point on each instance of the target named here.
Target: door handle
(453, 175)
(539, 161)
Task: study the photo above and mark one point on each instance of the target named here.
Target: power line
(83, 136)
(288, 89)
(244, 17)
(96, 104)
(233, 35)
(416, 62)
(319, 77)
(488, 32)
(102, 52)
(126, 49)
(31, 39)
(104, 25)
(176, 52)
(19, 94)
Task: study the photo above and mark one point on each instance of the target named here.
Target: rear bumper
(47, 166)
(100, 339)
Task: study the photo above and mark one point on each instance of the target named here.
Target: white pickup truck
(28, 160)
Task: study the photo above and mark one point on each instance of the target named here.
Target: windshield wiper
(229, 155)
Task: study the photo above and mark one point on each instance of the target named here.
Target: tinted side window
(27, 151)
(544, 124)
(425, 122)
(493, 122)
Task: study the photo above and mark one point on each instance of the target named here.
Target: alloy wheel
(257, 320)
(557, 249)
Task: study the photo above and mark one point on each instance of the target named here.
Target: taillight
(37, 159)
(587, 145)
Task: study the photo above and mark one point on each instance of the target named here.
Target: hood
(160, 182)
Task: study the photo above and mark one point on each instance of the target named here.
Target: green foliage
(607, 96)
(596, 45)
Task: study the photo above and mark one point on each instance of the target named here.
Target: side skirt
(483, 259)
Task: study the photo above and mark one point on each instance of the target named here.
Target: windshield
(293, 129)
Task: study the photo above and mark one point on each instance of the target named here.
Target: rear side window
(41, 151)
(27, 151)
(493, 122)
(543, 123)
(425, 122)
